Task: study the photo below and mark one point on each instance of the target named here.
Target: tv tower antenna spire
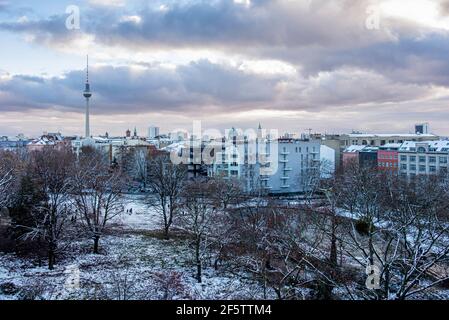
(87, 94)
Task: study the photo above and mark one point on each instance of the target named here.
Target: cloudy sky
(329, 65)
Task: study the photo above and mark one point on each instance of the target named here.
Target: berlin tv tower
(87, 94)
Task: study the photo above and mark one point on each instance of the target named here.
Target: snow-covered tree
(8, 177)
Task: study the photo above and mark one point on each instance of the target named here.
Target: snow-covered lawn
(141, 217)
(134, 264)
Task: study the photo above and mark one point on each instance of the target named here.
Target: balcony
(285, 186)
(287, 169)
(284, 153)
(285, 178)
(283, 160)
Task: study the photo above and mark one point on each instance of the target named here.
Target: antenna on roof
(87, 70)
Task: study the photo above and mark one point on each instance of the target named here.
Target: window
(433, 169)
(413, 167)
(432, 159)
(422, 159)
(422, 168)
(403, 167)
(403, 158)
(443, 159)
(422, 150)
(413, 158)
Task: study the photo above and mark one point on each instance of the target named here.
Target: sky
(329, 65)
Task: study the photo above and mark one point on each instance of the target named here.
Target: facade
(54, 140)
(153, 132)
(298, 163)
(423, 158)
(364, 156)
(112, 147)
(13, 143)
(422, 128)
(388, 157)
(351, 155)
(378, 140)
(341, 142)
(335, 143)
(368, 157)
(281, 166)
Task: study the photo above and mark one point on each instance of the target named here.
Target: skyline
(290, 65)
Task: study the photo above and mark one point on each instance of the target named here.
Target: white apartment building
(423, 158)
(153, 132)
(279, 166)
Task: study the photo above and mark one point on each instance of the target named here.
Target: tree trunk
(333, 250)
(51, 258)
(96, 241)
(198, 261)
(166, 232)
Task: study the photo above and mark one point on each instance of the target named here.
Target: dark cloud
(204, 86)
(137, 89)
(220, 23)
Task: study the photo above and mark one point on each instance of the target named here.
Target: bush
(8, 288)
(363, 226)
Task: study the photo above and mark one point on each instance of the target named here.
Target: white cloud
(113, 3)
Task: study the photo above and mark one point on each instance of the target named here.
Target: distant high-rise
(422, 128)
(153, 132)
(87, 94)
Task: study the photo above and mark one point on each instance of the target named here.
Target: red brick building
(388, 157)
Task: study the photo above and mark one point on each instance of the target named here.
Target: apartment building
(280, 166)
(388, 157)
(423, 158)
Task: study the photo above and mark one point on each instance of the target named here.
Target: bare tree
(97, 193)
(226, 191)
(403, 238)
(141, 163)
(166, 183)
(9, 163)
(134, 160)
(197, 218)
(52, 172)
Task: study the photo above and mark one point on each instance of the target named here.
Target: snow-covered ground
(134, 264)
(141, 217)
